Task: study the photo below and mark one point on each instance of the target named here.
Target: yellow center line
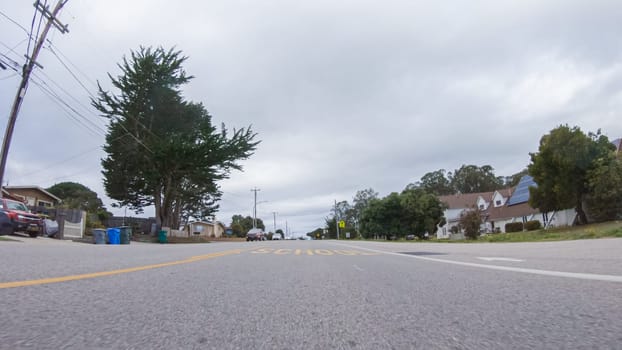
(115, 272)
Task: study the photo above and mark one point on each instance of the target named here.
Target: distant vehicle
(307, 238)
(22, 220)
(276, 237)
(410, 237)
(255, 234)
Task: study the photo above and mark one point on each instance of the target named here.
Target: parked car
(255, 234)
(276, 237)
(410, 237)
(22, 220)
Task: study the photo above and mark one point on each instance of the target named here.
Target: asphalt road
(311, 295)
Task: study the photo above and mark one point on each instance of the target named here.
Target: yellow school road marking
(310, 252)
(116, 272)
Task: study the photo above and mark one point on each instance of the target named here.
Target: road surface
(311, 295)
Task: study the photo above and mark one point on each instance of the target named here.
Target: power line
(71, 72)
(14, 22)
(28, 68)
(60, 52)
(32, 26)
(10, 76)
(67, 108)
(84, 107)
(40, 20)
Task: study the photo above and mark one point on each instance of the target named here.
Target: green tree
(473, 179)
(360, 202)
(561, 167)
(436, 182)
(422, 211)
(163, 150)
(373, 219)
(75, 195)
(604, 201)
(343, 211)
(238, 230)
(246, 223)
(470, 222)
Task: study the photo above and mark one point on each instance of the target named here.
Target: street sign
(342, 224)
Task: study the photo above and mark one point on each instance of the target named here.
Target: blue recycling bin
(114, 235)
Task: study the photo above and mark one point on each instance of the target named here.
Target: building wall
(33, 197)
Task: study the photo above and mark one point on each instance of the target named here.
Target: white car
(276, 237)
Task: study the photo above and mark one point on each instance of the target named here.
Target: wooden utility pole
(27, 69)
(255, 207)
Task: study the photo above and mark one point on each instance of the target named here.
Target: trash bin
(162, 236)
(114, 235)
(126, 234)
(99, 236)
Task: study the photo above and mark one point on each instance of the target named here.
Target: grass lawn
(601, 230)
(612, 229)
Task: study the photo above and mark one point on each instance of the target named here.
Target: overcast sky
(345, 95)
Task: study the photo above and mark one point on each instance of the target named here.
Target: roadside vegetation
(612, 229)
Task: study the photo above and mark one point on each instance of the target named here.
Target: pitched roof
(9, 188)
(508, 212)
(463, 200)
(467, 200)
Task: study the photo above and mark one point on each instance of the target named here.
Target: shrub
(513, 227)
(470, 222)
(533, 225)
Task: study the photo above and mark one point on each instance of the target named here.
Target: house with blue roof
(500, 208)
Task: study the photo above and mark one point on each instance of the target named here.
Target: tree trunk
(157, 200)
(580, 212)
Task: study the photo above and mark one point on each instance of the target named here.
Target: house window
(498, 202)
(481, 206)
(44, 204)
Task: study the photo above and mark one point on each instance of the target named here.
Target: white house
(500, 208)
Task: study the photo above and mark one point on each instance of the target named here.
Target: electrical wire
(98, 128)
(10, 76)
(39, 25)
(81, 104)
(14, 22)
(32, 26)
(72, 73)
(66, 108)
(60, 52)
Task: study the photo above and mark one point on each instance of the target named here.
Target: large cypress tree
(161, 149)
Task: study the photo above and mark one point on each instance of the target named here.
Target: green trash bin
(99, 236)
(126, 234)
(162, 236)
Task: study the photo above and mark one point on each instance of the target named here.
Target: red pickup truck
(21, 218)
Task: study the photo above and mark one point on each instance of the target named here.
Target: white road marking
(358, 268)
(576, 275)
(499, 259)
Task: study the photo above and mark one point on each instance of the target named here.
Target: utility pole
(255, 207)
(274, 217)
(336, 219)
(27, 69)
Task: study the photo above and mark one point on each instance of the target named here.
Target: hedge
(533, 225)
(514, 227)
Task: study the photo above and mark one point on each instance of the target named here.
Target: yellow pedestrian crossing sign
(342, 224)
